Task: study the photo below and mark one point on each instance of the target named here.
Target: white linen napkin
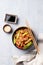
(30, 59)
(24, 59)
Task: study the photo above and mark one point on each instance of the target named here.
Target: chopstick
(34, 41)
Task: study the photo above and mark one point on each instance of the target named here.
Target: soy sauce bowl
(7, 28)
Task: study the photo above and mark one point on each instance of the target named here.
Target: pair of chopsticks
(34, 41)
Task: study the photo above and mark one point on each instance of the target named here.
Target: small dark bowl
(14, 35)
(5, 26)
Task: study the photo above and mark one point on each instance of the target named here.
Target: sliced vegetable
(27, 45)
(25, 33)
(28, 40)
(17, 36)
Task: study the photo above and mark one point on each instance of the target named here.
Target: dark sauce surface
(10, 18)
